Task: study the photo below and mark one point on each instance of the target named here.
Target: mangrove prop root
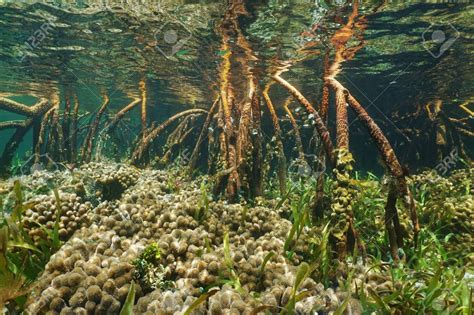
(42, 134)
(389, 157)
(58, 130)
(30, 111)
(282, 168)
(342, 124)
(143, 91)
(13, 124)
(113, 123)
(145, 142)
(12, 145)
(33, 113)
(74, 131)
(395, 238)
(195, 155)
(320, 125)
(317, 203)
(89, 141)
(296, 131)
(256, 182)
(176, 137)
(343, 233)
(211, 148)
(223, 156)
(238, 104)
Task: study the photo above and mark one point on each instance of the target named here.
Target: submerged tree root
(282, 165)
(33, 114)
(195, 155)
(320, 125)
(145, 143)
(89, 141)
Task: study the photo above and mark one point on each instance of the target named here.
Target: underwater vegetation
(200, 212)
(269, 256)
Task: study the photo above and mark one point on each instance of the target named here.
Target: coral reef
(176, 243)
(72, 215)
(152, 235)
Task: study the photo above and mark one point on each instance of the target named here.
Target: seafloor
(167, 235)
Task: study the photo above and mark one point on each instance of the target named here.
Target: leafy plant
(304, 271)
(430, 282)
(203, 207)
(127, 308)
(300, 214)
(321, 254)
(261, 272)
(203, 298)
(21, 258)
(234, 277)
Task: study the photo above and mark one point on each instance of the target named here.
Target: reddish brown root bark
(390, 159)
(113, 123)
(89, 141)
(296, 131)
(282, 165)
(195, 155)
(30, 111)
(143, 107)
(144, 144)
(320, 125)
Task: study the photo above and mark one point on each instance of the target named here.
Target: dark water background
(90, 48)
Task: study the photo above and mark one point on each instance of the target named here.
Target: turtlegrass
(21, 258)
(431, 282)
